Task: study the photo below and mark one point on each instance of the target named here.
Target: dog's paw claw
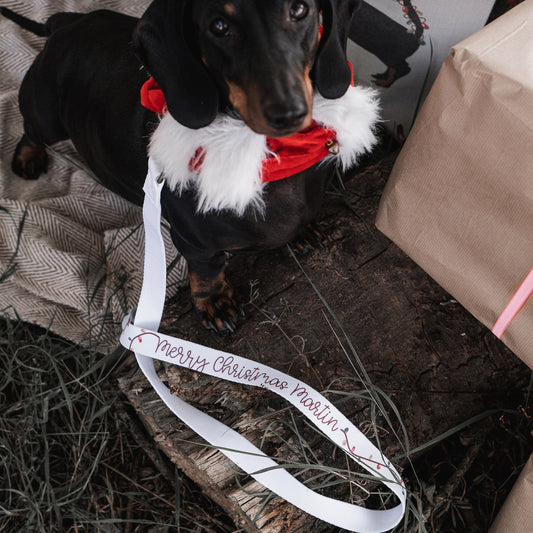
(230, 326)
(311, 238)
(216, 323)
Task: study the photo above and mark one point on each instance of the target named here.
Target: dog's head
(263, 57)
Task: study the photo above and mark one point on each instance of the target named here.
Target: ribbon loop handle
(143, 338)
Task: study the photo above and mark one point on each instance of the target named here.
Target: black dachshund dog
(241, 82)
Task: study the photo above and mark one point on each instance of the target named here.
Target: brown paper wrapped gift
(460, 198)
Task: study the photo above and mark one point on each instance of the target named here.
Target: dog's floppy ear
(160, 41)
(331, 72)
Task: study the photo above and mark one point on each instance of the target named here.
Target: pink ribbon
(514, 305)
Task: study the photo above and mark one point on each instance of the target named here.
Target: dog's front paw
(30, 159)
(311, 238)
(215, 304)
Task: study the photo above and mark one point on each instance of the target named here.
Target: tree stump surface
(437, 363)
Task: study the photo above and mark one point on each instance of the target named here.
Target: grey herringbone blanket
(70, 251)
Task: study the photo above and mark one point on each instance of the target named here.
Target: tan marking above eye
(229, 9)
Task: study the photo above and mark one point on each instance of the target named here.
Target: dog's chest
(290, 205)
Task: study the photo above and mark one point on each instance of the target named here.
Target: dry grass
(68, 462)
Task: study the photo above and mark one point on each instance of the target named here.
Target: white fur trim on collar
(230, 176)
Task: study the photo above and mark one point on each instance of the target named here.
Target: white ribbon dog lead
(148, 344)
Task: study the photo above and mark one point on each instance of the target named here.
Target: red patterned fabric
(297, 152)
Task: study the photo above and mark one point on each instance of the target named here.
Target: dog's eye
(220, 28)
(298, 11)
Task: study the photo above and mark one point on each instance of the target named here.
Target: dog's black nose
(286, 119)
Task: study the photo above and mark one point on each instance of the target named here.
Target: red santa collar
(225, 178)
(288, 155)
